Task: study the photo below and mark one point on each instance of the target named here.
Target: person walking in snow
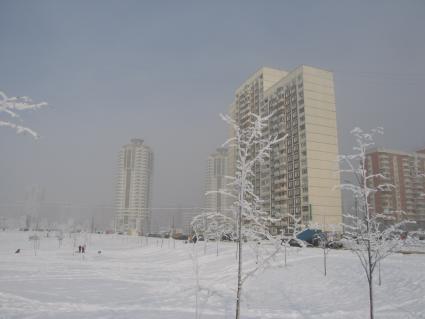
(79, 248)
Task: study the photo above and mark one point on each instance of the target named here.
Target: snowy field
(136, 279)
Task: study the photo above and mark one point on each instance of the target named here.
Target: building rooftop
(392, 151)
(137, 141)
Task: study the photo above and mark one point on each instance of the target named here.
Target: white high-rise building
(215, 180)
(134, 188)
(300, 176)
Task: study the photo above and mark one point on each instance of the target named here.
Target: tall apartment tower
(134, 188)
(406, 172)
(300, 176)
(215, 180)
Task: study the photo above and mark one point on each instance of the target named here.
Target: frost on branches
(215, 226)
(251, 221)
(366, 234)
(10, 109)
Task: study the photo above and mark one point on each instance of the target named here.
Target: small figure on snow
(18, 251)
(79, 248)
(83, 249)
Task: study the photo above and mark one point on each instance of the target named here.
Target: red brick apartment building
(406, 171)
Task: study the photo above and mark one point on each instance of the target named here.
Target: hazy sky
(164, 70)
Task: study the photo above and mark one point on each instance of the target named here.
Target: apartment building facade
(299, 179)
(405, 171)
(134, 188)
(215, 181)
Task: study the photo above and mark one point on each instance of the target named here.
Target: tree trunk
(238, 294)
(217, 245)
(371, 296)
(370, 277)
(324, 260)
(197, 282)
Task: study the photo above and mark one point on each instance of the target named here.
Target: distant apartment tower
(215, 180)
(134, 188)
(406, 172)
(300, 176)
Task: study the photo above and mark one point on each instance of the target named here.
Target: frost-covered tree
(325, 241)
(295, 226)
(36, 242)
(60, 236)
(213, 226)
(11, 109)
(251, 221)
(367, 236)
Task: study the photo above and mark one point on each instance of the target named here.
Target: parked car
(336, 244)
(295, 242)
(181, 237)
(318, 239)
(227, 237)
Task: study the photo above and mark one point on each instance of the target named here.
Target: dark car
(318, 239)
(181, 237)
(335, 244)
(294, 242)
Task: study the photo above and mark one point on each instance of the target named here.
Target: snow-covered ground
(133, 279)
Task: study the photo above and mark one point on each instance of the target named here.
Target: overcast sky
(164, 70)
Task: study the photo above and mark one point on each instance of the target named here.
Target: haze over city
(120, 197)
(112, 71)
